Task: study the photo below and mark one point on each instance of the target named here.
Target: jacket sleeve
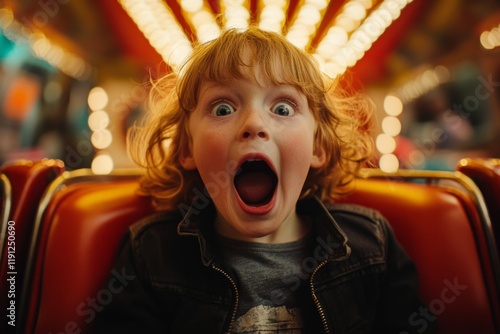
(132, 308)
(400, 309)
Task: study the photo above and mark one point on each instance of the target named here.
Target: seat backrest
(24, 182)
(486, 174)
(440, 227)
(81, 225)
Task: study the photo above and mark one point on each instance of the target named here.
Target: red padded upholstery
(79, 237)
(28, 181)
(440, 229)
(486, 174)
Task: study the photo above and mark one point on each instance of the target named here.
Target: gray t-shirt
(271, 280)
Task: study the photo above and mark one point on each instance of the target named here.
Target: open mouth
(255, 182)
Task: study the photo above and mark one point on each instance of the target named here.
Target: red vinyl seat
(447, 235)
(486, 174)
(441, 227)
(82, 221)
(23, 184)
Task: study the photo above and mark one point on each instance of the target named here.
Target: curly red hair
(343, 121)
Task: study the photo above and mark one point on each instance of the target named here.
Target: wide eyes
(222, 109)
(281, 108)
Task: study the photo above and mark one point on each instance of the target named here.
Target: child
(243, 149)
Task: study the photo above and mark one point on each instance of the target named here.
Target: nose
(254, 126)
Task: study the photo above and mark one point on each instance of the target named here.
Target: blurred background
(74, 73)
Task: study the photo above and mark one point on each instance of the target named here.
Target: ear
(187, 159)
(319, 157)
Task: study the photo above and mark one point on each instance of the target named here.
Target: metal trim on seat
(438, 178)
(484, 172)
(66, 178)
(466, 185)
(6, 208)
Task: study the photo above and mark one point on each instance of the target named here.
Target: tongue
(254, 187)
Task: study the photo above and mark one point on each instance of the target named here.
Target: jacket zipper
(236, 294)
(316, 301)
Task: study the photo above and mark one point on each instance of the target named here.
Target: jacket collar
(198, 222)
(329, 235)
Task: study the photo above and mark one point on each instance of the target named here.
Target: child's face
(253, 146)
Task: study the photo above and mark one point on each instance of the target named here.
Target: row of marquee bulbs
(345, 42)
(351, 35)
(102, 137)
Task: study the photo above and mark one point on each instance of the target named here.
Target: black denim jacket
(361, 280)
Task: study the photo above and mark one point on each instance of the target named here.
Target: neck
(292, 229)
